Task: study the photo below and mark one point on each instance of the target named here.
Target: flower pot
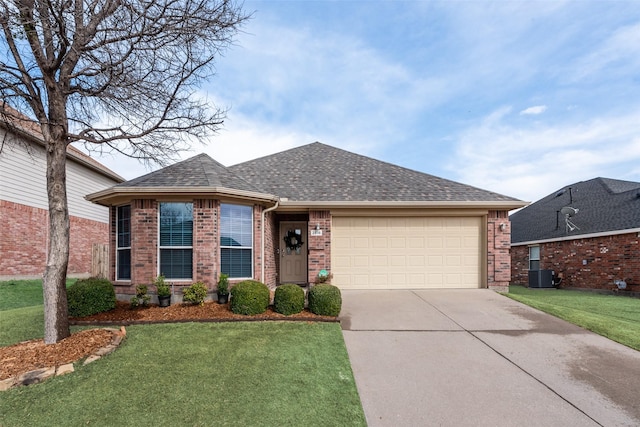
(164, 301)
(223, 298)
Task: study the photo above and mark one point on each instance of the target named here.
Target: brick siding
(585, 263)
(498, 256)
(24, 237)
(319, 246)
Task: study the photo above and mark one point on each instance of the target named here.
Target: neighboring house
(285, 217)
(24, 205)
(586, 232)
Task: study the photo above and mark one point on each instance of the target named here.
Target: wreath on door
(293, 240)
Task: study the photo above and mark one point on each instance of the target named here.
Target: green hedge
(90, 296)
(325, 300)
(288, 299)
(249, 297)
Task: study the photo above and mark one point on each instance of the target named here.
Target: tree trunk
(56, 320)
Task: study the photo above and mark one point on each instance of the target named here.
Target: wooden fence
(100, 260)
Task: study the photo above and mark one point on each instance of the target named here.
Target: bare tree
(114, 74)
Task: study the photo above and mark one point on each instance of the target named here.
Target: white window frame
(239, 247)
(534, 259)
(159, 250)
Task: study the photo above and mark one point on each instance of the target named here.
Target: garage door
(406, 253)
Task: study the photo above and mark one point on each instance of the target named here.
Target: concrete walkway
(477, 358)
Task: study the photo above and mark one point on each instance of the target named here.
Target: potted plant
(223, 289)
(163, 290)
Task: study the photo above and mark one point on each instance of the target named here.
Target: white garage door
(406, 253)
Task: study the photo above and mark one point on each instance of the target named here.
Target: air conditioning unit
(541, 279)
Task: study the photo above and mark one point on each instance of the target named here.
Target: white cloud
(535, 110)
(531, 163)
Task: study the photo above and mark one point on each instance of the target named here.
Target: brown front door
(293, 260)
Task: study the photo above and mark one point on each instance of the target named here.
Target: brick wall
(144, 241)
(319, 246)
(498, 245)
(205, 241)
(271, 232)
(24, 237)
(586, 263)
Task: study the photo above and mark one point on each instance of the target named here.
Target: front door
(293, 252)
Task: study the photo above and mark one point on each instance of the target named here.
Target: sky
(516, 97)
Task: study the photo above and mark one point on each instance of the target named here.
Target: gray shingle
(198, 171)
(318, 172)
(603, 205)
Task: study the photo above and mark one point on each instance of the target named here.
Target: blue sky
(516, 97)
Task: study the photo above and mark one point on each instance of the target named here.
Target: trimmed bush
(249, 297)
(289, 299)
(325, 300)
(195, 293)
(90, 296)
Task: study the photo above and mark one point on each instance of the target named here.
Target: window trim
(118, 248)
(534, 259)
(251, 248)
(160, 248)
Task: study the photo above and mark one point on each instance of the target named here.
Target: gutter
(578, 236)
(264, 214)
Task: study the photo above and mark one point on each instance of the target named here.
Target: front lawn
(615, 317)
(195, 374)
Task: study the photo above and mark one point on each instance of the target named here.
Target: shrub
(249, 297)
(141, 297)
(325, 300)
(223, 285)
(162, 288)
(289, 299)
(90, 296)
(195, 293)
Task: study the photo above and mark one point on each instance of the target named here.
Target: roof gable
(318, 172)
(199, 171)
(604, 205)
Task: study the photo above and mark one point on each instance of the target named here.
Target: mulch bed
(123, 314)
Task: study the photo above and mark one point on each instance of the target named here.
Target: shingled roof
(198, 171)
(604, 205)
(319, 172)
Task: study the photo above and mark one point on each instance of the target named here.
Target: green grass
(194, 374)
(615, 317)
(22, 293)
(236, 374)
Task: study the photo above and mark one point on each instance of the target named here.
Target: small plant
(288, 299)
(323, 277)
(325, 300)
(90, 296)
(162, 288)
(141, 298)
(249, 297)
(223, 285)
(195, 294)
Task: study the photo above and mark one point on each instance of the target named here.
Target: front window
(123, 243)
(236, 240)
(176, 240)
(534, 257)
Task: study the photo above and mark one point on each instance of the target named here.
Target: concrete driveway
(477, 358)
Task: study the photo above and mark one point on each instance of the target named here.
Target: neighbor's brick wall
(498, 245)
(319, 246)
(607, 259)
(24, 236)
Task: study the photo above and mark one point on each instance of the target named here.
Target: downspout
(264, 214)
